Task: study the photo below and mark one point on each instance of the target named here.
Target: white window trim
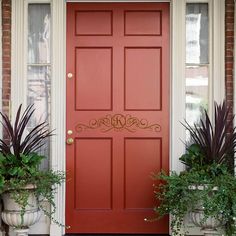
(58, 93)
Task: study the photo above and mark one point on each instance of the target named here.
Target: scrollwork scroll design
(118, 122)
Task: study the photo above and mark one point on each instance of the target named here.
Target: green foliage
(178, 197)
(45, 183)
(209, 164)
(19, 162)
(193, 158)
(22, 166)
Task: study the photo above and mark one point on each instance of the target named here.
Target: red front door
(117, 115)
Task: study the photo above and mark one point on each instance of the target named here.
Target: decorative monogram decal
(118, 122)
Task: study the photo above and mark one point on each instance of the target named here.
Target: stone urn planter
(208, 226)
(18, 218)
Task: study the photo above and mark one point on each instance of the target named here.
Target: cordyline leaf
(217, 140)
(23, 125)
(7, 125)
(16, 139)
(38, 134)
(34, 144)
(18, 145)
(31, 135)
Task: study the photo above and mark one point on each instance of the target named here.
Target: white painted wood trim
(218, 54)
(58, 95)
(18, 66)
(178, 84)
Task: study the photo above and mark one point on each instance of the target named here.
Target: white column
(58, 105)
(18, 56)
(218, 54)
(178, 83)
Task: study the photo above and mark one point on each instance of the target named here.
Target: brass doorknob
(69, 75)
(70, 141)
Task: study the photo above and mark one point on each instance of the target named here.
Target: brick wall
(6, 66)
(6, 54)
(229, 50)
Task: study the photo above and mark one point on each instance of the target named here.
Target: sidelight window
(39, 67)
(197, 60)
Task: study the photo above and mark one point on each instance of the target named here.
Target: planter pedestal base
(209, 226)
(21, 232)
(210, 232)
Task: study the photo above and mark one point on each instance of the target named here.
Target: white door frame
(58, 92)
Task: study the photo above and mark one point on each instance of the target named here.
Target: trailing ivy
(209, 162)
(179, 194)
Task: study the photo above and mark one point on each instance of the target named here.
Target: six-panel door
(117, 115)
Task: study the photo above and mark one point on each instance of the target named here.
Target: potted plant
(207, 188)
(23, 185)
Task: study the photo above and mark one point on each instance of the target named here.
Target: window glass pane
(39, 18)
(39, 86)
(197, 34)
(196, 92)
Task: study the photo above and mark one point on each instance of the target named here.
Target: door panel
(118, 112)
(142, 78)
(94, 78)
(100, 155)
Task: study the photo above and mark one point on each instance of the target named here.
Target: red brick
(229, 20)
(6, 8)
(229, 52)
(6, 54)
(229, 9)
(6, 58)
(229, 33)
(230, 40)
(6, 47)
(229, 26)
(6, 27)
(6, 40)
(230, 14)
(228, 58)
(229, 65)
(6, 14)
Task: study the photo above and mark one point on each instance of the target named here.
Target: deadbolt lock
(70, 141)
